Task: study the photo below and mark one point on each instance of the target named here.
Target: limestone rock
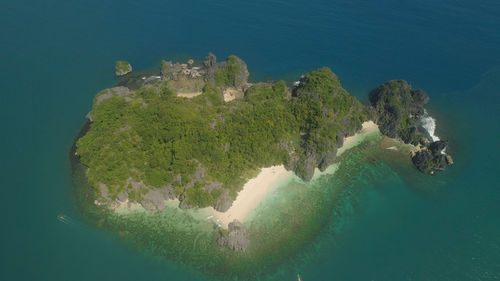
(432, 159)
(398, 109)
(224, 202)
(399, 112)
(236, 238)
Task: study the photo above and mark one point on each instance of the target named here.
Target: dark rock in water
(432, 159)
(398, 111)
(437, 147)
(236, 238)
(136, 80)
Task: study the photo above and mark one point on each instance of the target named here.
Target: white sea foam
(429, 124)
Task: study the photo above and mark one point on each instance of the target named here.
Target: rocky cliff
(236, 238)
(399, 110)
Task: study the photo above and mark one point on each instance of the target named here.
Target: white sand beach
(368, 128)
(252, 193)
(257, 188)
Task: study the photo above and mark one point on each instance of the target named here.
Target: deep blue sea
(56, 55)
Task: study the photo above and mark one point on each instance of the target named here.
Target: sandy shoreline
(368, 128)
(252, 193)
(257, 188)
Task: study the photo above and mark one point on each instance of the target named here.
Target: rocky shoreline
(394, 106)
(398, 110)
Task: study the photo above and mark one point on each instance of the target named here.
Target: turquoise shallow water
(399, 225)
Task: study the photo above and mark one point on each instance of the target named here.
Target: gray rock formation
(236, 238)
(108, 93)
(240, 69)
(432, 159)
(155, 199)
(169, 70)
(104, 190)
(210, 61)
(398, 111)
(224, 202)
(211, 66)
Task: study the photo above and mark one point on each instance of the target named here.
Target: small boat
(298, 278)
(65, 219)
(392, 148)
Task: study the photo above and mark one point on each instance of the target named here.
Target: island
(199, 131)
(122, 68)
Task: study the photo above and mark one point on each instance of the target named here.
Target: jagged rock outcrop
(398, 111)
(328, 104)
(240, 71)
(155, 199)
(432, 159)
(230, 73)
(169, 70)
(236, 238)
(224, 202)
(210, 64)
(108, 93)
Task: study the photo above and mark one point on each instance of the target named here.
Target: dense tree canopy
(153, 136)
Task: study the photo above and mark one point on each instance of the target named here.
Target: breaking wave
(429, 125)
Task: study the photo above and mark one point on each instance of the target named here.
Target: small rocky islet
(198, 131)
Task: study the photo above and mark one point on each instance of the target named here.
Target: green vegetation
(122, 66)
(229, 75)
(398, 108)
(325, 112)
(153, 136)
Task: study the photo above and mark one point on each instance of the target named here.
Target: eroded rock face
(432, 159)
(155, 199)
(210, 60)
(224, 202)
(398, 111)
(109, 93)
(169, 70)
(236, 238)
(241, 77)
